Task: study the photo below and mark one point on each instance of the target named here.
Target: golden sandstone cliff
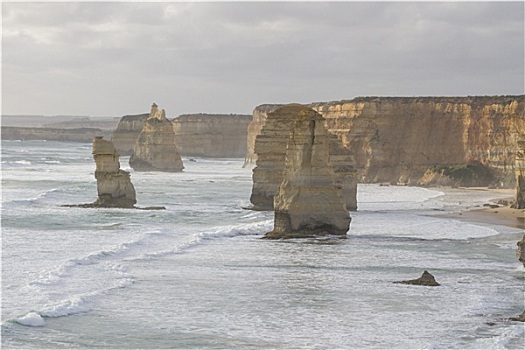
(155, 148)
(127, 132)
(398, 139)
(211, 135)
(520, 176)
(308, 202)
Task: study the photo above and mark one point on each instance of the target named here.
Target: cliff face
(271, 148)
(196, 135)
(208, 135)
(520, 176)
(155, 148)
(113, 184)
(308, 202)
(52, 134)
(127, 132)
(397, 139)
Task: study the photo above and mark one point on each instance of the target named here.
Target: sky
(117, 58)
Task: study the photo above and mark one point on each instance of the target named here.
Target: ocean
(198, 275)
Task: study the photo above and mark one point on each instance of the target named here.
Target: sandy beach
(501, 215)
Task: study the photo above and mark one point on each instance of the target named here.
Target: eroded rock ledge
(308, 202)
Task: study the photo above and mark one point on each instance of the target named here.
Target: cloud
(116, 58)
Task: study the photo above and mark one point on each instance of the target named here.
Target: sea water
(198, 275)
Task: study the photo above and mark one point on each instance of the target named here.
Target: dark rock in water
(520, 318)
(426, 279)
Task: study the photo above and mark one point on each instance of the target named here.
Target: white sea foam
(31, 319)
(73, 306)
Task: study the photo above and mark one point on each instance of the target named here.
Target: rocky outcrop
(114, 186)
(52, 134)
(426, 279)
(270, 147)
(127, 133)
(211, 135)
(155, 148)
(520, 251)
(519, 168)
(308, 202)
(397, 139)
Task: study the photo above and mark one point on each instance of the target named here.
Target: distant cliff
(196, 135)
(212, 135)
(127, 133)
(52, 134)
(397, 139)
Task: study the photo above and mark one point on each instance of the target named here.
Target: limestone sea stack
(519, 168)
(114, 186)
(308, 202)
(270, 152)
(156, 148)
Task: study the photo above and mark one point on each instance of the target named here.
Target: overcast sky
(112, 59)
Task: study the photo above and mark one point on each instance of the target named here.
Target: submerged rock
(520, 251)
(520, 318)
(308, 202)
(156, 148)
(426, 279)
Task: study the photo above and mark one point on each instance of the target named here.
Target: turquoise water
(197, 275)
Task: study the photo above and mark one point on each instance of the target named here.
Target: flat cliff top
(134, 117)
(200, 116)
(484, 100)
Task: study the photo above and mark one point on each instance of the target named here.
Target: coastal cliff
(211, 135)
(127, 132)
(52, 134)
(308, 202)
(397, 139)
(196, 135)
(155, 148)
(520, 176)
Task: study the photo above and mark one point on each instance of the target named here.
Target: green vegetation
(467, 175)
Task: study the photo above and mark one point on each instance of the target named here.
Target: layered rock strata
(127, 132)
(520, 176)
(397, 139)
(52, 134)
(155, 148)
(270, 146)
(211, 135)
(308, 202)
(196, 135)
(114, 186)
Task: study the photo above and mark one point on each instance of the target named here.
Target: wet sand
(501, 215)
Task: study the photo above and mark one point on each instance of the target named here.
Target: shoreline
(503, 215)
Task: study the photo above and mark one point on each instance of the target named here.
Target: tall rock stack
(308, 202)
(270, 152)
(519, 168)
(114, 186)
(155, 148)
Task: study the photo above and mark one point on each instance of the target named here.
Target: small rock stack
(156, 148)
